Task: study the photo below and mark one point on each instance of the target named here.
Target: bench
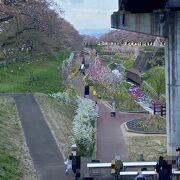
(134, 173)
(152, 173)
(139, 164)
(94, 166)
(125, 164)
(175, 172)
(98, 165)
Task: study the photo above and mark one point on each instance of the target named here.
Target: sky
(88, 14)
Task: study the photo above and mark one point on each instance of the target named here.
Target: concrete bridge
(158, 18)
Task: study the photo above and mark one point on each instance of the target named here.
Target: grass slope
(60, 117)
(15, 162)
(40, 75)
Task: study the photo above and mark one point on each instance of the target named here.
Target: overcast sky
(88, 14)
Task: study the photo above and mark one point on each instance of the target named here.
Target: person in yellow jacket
(118, 166)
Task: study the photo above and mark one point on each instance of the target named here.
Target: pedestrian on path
(163, 169)
(97, 109)
(113, 111)
(82, 69)
(86, 91)
(68, 164)
(118, 166)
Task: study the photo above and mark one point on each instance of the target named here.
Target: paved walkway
(46, 156)
(110, 140)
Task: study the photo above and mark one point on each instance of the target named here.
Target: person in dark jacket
(163, 169)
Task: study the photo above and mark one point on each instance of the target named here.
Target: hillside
(94, 32)
(125, 36)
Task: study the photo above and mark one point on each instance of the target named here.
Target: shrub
(68, 97)
(75, 73)
(154, 124)
(84, 126)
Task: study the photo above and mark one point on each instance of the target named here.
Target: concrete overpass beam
(148, 23)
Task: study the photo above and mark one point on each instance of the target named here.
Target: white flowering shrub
(84, 126)
(68, 97)
(62, 96)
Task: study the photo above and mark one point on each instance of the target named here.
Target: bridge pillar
(172, 61)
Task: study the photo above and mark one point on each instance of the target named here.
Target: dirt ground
(150, 145)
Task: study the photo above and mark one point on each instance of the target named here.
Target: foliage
(103, 75)
(156, 79)
(107, 59)
(159, 58)
(121, 56)
(112, 66)
(71, 66)
(84, 126)
(68, 97)
(107, 86)
(129, 64)
(148, 89)
(126, 58)
(157, 61)
(153, 124)
(76, 72)
(125, 101)
(40, 75)
(121, 36)
(99, 48)
(102, 91)
(87, 80)
(150, 48)
(65, 97)
(30, 27)
(151, 92)
(126, 85)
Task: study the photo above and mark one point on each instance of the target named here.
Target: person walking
(163, 169)
(118, 166)
(97, 109)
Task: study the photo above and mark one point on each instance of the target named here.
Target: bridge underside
(164, 23)
(148, 23)
(141, 6)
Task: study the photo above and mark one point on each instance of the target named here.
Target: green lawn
(40, 75)
(15, 163)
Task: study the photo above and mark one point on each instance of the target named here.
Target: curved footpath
(110, 140)
(43, 149)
